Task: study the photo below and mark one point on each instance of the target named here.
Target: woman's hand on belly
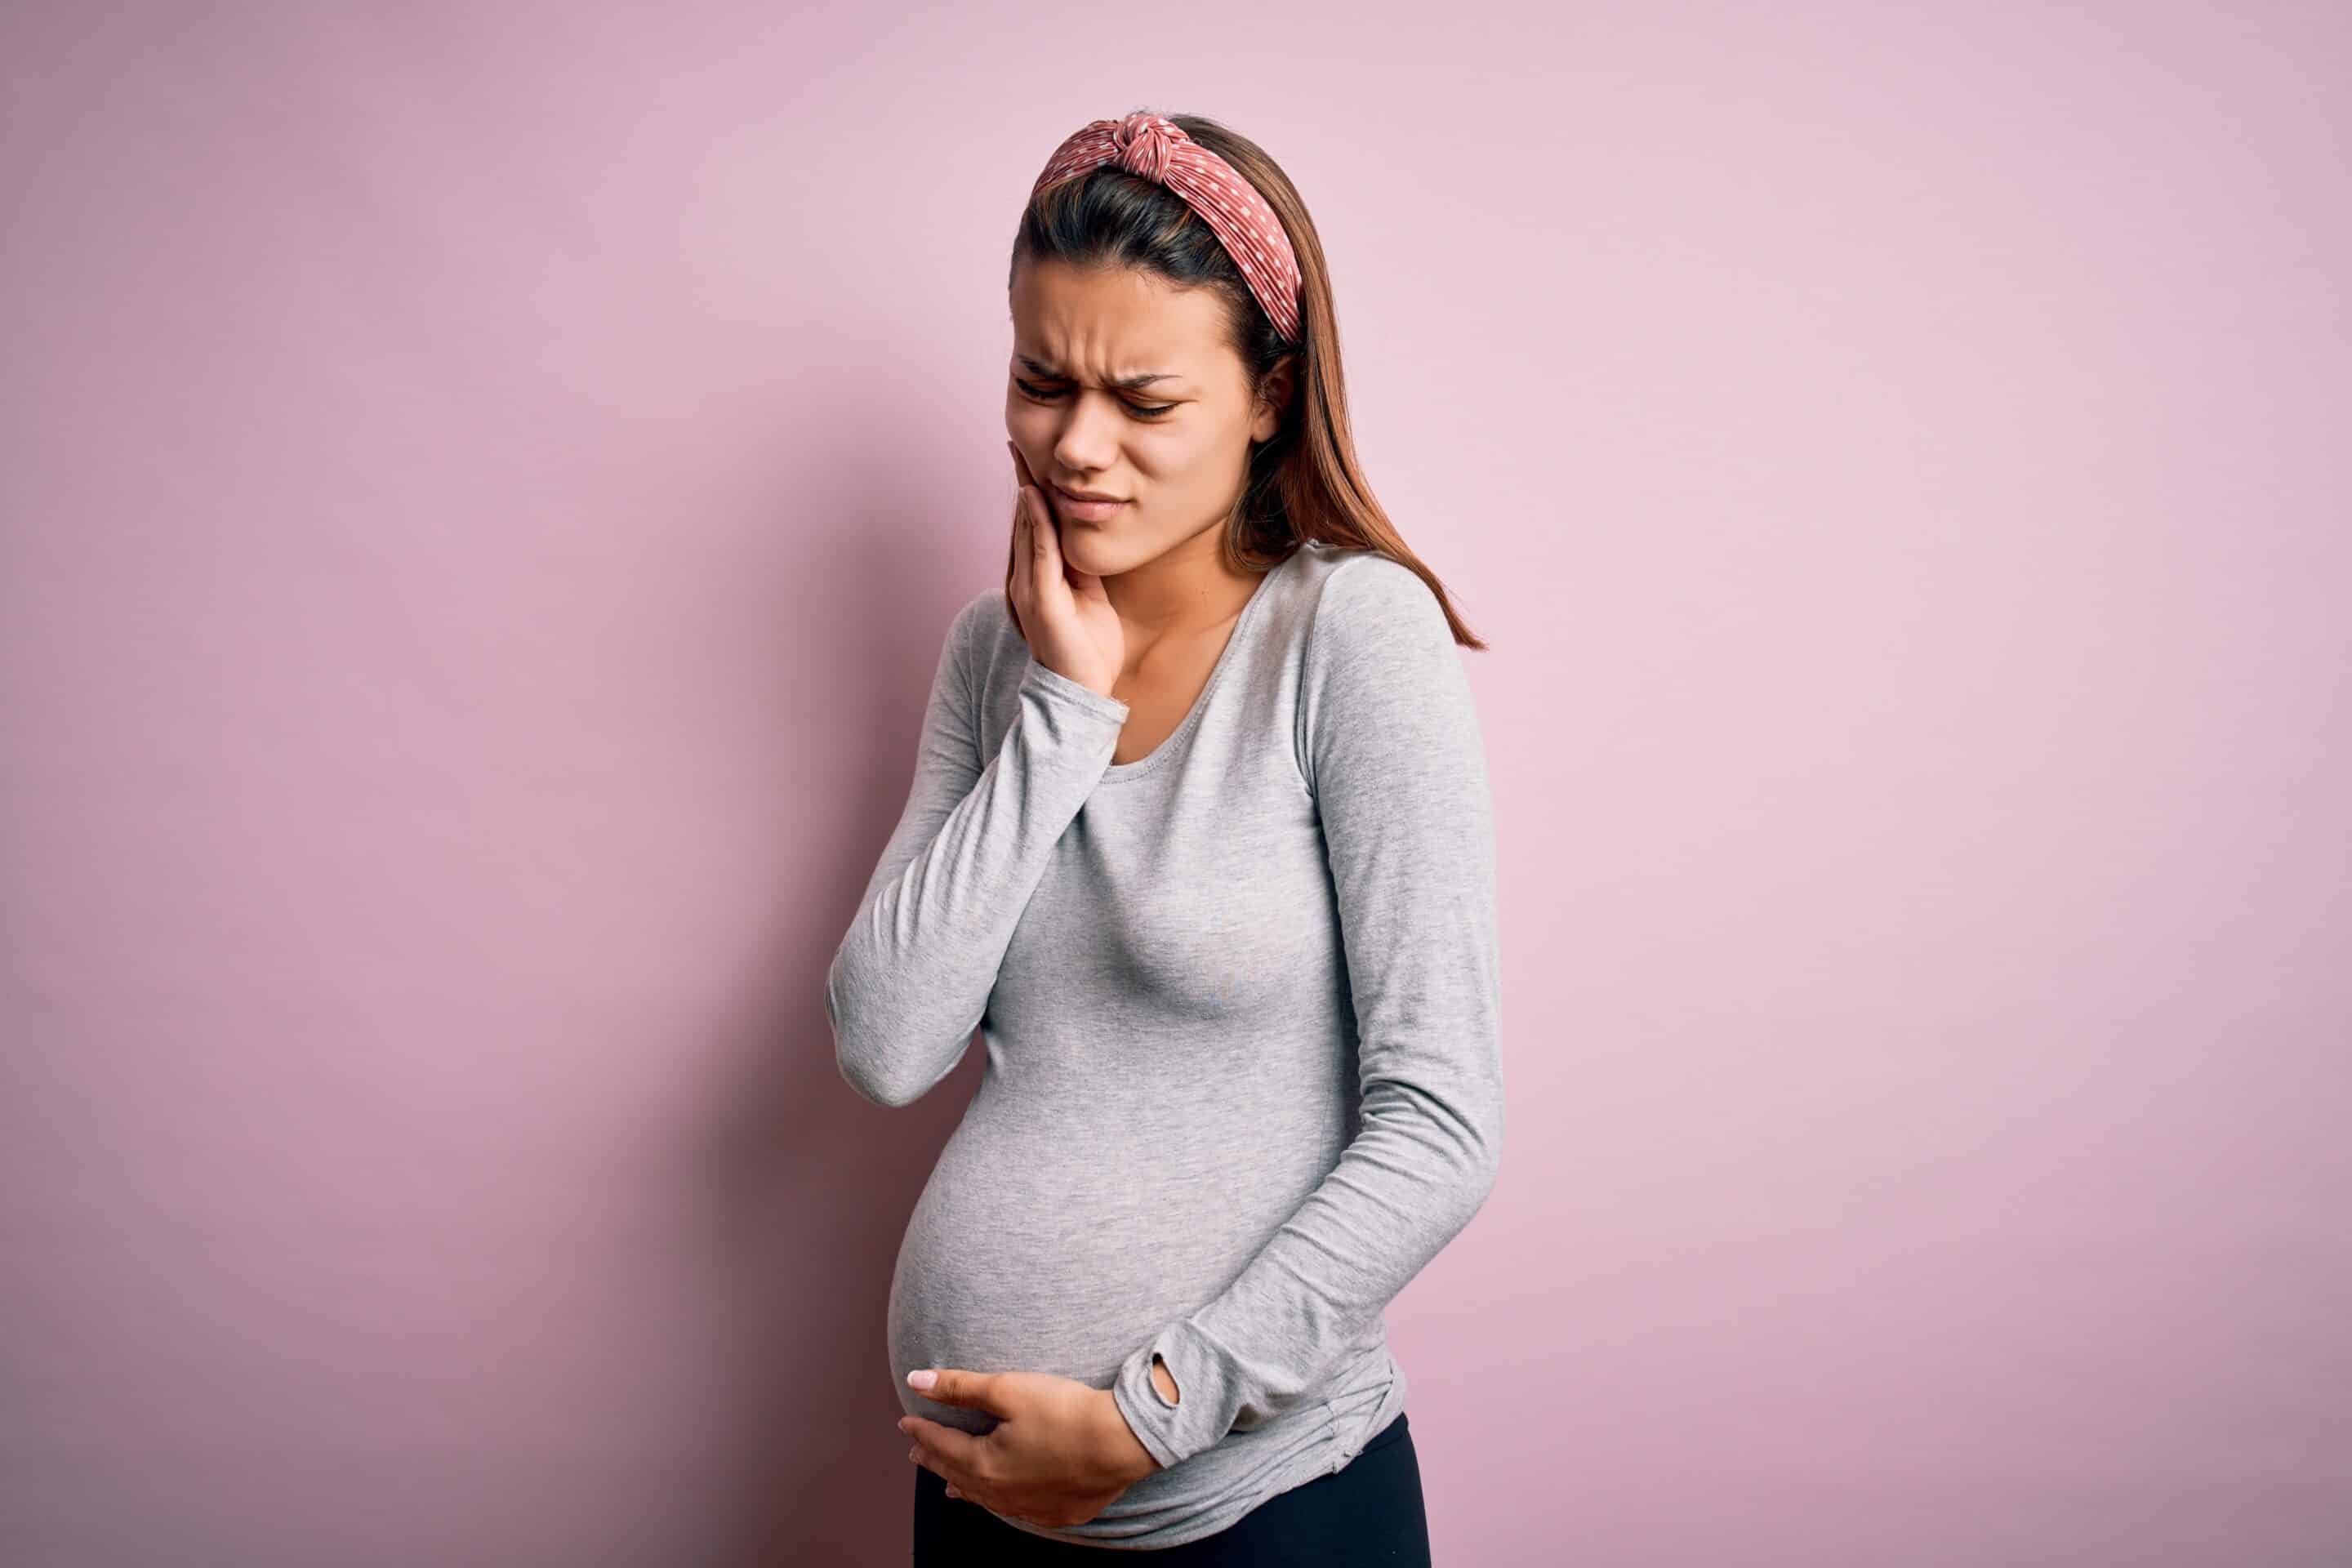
(1059, 1455)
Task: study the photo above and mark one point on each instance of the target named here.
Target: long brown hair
(1303, 481)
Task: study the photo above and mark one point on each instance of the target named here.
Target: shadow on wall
(807, 1185)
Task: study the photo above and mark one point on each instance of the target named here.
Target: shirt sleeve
(1389, 740)
(912, 976)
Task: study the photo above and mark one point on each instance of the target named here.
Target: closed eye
(1042, 395)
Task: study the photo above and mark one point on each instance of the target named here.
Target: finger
(957, 1450)
(1045, 559)
(961, 1482)
(1041, 530)
(1043, 539)
(953, 1386)
(1023, 485)
(1036, 568)
(940, 1467)
(1087, 587)
(1022, 580)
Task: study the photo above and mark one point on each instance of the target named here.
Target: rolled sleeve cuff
(1201, 1415)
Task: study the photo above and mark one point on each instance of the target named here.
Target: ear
(1274, 397)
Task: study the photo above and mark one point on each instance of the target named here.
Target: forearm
(913, 974)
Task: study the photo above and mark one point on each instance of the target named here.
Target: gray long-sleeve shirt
(1240, 1001)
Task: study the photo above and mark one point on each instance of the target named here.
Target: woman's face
(1174, 450)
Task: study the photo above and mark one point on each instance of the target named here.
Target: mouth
(1087, 509)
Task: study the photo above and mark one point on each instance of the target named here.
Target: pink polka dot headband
(1158, 148)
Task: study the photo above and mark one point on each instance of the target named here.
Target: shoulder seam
(1421, 589)
(966, 633)
(1323, 592)
(1301, 749)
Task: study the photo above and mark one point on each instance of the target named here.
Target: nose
(1088, 440)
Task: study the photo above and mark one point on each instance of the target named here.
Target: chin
(1098, 556)
(1086, 555)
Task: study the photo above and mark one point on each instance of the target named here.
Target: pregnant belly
(1026, 1253)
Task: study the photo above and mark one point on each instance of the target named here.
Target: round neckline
(1176, 737)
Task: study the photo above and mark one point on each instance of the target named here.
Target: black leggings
(1370, 1511)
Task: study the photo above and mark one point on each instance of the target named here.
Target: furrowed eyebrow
(1129, 384)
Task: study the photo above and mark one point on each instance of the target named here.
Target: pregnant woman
(1200, 842)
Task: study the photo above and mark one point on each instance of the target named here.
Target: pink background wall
(483, 487)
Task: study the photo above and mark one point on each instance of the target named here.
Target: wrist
(1128, 1456)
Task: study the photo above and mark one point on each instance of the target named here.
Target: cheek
(1182, 458)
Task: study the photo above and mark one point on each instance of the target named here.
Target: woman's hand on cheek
(1060, 1452)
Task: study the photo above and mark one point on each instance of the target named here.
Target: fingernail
(921, 1379)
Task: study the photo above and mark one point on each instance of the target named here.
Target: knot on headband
(1155, 148)
(1144, 148)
